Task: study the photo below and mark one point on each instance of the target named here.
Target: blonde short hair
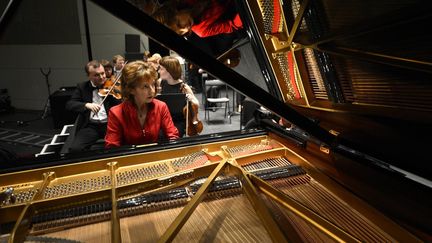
(155, 58)
(117, 57)
(135, 73)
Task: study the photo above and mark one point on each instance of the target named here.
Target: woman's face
(108, 72)
(164, 74)
(144, 92)
(182, 24)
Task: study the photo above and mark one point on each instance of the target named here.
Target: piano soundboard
(252, 189)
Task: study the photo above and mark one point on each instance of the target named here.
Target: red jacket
(124, 127)
(210, 25)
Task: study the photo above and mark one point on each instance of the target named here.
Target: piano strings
(226, 214)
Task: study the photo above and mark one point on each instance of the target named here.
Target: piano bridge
(249, 190)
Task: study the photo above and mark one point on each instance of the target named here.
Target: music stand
(47, 103)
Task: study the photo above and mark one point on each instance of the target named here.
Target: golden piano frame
(110, 179)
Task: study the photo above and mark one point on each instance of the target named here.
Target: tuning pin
(7, 195)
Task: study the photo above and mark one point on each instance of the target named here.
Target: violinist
(119, 62)
(86, 101)
(108, 68)
(170, 73)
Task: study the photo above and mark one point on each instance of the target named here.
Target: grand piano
(354, 79)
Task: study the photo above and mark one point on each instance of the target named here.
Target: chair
(175, 102)
(247, 111)
(72, 130)
(219, 102)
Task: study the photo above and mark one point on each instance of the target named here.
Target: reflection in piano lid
(354, 172)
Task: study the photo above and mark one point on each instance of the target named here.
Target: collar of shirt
(94, 86)
(101, 116)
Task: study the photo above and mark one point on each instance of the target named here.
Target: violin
(111, 87)
(193, 125)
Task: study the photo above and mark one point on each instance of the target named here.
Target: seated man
(119, 62)
(86, 100)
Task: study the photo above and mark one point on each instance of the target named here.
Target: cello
(193, 125)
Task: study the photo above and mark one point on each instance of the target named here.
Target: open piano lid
(357, 84)
(362, 92)
(329, 116)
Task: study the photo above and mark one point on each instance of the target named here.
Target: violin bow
(112, 86)
(187, 117)
(115, 82)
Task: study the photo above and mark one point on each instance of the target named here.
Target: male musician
(91, 106)
(109, 69)
(119, 62)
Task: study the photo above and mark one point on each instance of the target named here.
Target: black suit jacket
(84, 94)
